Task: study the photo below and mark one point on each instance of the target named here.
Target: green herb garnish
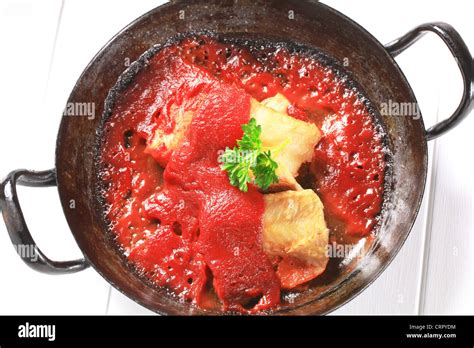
(249, 162)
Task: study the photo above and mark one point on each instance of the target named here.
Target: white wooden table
(45, 45)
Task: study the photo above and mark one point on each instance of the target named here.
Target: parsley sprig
(248, 161)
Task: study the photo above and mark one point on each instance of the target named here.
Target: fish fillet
(294, 225)
(293, 139)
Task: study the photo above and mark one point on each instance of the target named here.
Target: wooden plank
(119, 304)
(448, 283)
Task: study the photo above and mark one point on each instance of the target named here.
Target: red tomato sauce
(184, 226)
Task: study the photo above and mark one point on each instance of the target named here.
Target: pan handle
(463, 57)
(16, 224)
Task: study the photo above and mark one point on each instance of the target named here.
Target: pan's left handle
(463, 58)
(16, 224)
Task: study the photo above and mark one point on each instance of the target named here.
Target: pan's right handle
(16, 224)
(463, 57)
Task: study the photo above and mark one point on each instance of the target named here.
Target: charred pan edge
(253, 44)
